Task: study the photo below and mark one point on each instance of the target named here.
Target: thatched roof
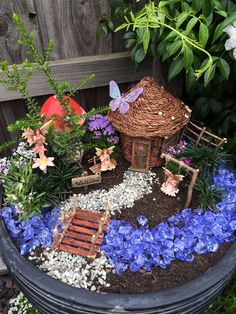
(155, 113)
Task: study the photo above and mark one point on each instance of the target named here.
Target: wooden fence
(72, 25)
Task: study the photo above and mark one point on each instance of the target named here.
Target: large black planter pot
(52, 296)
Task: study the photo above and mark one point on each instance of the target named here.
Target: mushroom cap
(155, 113)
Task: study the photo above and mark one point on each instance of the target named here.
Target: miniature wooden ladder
(84, 234)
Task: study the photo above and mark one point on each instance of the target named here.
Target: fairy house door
(140, 155)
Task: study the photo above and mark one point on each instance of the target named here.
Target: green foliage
(42, 63)
(21, 124)
(31, 190)
(226, 302)
(16, 77)
(7, 145)
(64, 144)
(209, 195)
(216, 104)
(206, 158)
(181, 32)
(56, 183)
(19, 188)
(231, 149)
(175, 168)
(20, 305)
(177, 30)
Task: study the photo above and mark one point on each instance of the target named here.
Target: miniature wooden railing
(200, 135)
(195, 173)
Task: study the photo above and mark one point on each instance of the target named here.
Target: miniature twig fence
(200, 135)
(195, 173)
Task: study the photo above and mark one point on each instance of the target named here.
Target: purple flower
(4, 167)
(187, 162)
(177, 149)
(101, 126)
(108, 130)
(113, 139)
(98, 122)
(97, 134)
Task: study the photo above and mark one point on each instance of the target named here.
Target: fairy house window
(156, 116)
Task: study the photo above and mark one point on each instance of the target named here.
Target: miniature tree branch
(42, 61)
(151, 17)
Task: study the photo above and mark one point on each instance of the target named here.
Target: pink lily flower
(43, 162)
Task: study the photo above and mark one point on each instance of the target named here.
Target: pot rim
(40, 279)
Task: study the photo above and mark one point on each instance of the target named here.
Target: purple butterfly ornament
(119, 101)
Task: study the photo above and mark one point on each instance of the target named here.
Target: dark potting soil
(156, 207)
(177, 273)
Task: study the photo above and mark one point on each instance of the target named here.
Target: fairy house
(153, 122)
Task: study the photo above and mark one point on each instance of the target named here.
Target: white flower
(231, 42)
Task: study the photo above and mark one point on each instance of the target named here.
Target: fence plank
(116, 66)
(72, 25)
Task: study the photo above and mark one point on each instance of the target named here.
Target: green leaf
(203, 34)
(161, 48)
(209, 74)
(174, 47)
(181, 18)
(139, 55)
(175, 68)
(217, 5)
(129, 43)
(188, 57)
(122, 26)
(146, 39)
(217, 48)
(129, 35)
(217, 32)
(162, 4)
(171, 35)
(215, 105)
(196, 5)
(224, 68)
(222, 13)
(190, 79)
(191, 24)
(206, 7)
(229, 20)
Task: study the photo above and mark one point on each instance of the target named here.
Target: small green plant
(21, 305)
(16, 77)
(206, 158)
(226, 302)
(209, 194)
(175, 168)
(19, 187)
(40, 181)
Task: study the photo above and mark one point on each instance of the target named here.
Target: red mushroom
(52, 109)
